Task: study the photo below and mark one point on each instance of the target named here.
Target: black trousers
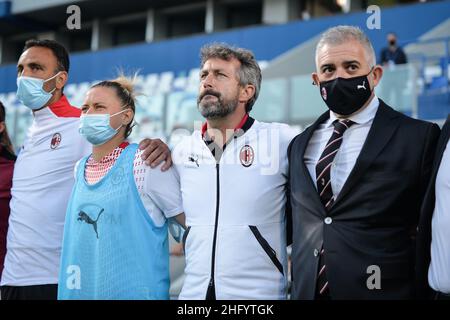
(39, 292)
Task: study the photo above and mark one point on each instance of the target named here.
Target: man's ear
(315, 78)
(247, 93)
(377, 75)
(61, 79)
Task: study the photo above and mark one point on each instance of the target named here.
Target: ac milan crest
(247, 156)
(56, 140)
(324, 93)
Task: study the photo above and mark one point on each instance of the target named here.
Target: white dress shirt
(352, 143)
(439, 271)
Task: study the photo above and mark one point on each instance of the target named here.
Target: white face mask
(30, 91)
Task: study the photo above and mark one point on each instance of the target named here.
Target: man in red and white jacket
(233, 176)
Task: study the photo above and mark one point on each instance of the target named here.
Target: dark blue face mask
(345, 96)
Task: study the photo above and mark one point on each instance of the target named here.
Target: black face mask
(346, 96)
(392, 42)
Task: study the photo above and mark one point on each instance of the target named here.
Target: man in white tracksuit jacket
(233, 175)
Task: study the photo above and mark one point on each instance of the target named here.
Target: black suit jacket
(374, 216)
(424, 234)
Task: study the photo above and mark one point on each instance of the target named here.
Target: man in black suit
(357, 178)
(433, 239)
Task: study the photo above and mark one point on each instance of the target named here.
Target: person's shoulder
(287, 134)
(137, 161)
(300, 138)
(410, 123)
(271, 125)
(7, 155)
(302, 133)
(144, 171)
(285, 131)
(185, 146)
(186, 141)
(407, 119)
(418, 122)
(446, 123)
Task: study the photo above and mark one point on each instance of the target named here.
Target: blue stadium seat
(438, 82)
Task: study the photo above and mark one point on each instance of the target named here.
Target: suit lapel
(310, 183)
(383, 127)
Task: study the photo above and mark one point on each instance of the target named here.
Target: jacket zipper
(211, 292)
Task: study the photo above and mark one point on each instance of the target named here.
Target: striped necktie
(323, 181)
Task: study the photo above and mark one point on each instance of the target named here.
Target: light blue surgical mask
(97, 129)
(30, 91)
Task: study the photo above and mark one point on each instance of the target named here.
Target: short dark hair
(59, 51)
(249, 72)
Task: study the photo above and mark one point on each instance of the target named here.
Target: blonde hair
(125, 90)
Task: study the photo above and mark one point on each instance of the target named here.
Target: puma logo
(83, 216)
(193, 159)
(362, 86)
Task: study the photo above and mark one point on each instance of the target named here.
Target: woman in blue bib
(115, 242)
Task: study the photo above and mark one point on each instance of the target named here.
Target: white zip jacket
(235, 244)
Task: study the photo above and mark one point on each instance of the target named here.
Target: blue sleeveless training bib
(111, 247)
